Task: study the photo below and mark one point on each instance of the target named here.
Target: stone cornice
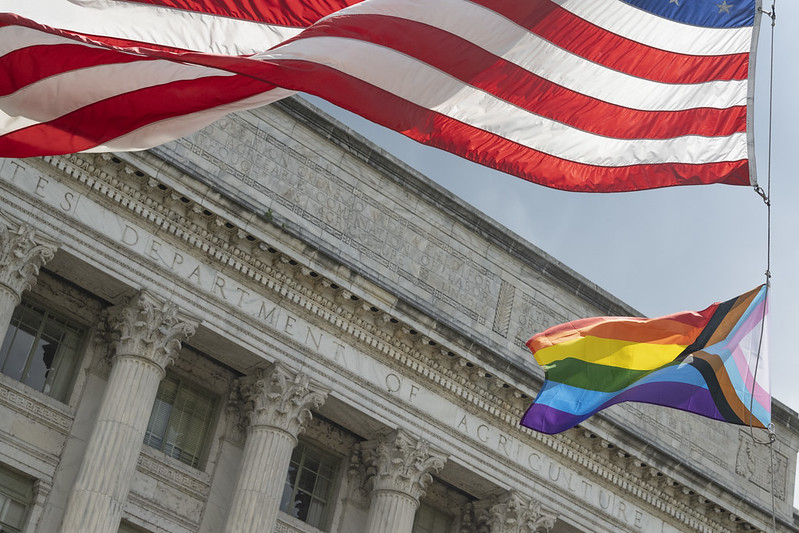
(260, 264)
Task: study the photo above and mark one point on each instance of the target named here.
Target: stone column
(398, 471)
(22, 253)
(146, 336)
(279, 405)
(512, 513)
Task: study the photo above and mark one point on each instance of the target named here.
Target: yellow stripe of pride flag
(611, 352)
(620, 342)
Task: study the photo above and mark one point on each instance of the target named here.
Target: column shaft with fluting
(146, 335)
(267, 454)
(278, 405)
(102, 486)
(399, 468)
(391, 512)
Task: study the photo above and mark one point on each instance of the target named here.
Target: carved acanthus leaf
(279, 398)
(399, 462)
(22, 252)
(148, 327)
(512, 513)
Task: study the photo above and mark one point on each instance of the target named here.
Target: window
(430, 520)
(41, 350)
(309, 485)
(16, 494)
(180, 421)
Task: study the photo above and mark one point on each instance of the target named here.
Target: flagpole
(766, 196)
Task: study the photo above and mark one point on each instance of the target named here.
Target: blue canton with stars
(704, 13)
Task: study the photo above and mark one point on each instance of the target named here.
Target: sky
(666, 250)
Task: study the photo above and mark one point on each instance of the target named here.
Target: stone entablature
(363, 323)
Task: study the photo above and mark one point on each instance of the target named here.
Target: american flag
(584, 95)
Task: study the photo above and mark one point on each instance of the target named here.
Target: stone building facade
(272, 325)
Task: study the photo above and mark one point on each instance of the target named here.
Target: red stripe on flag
(520, 87)
(26, 66)
(492, 150)
(106, 120)
(291, 13)
(567, 31)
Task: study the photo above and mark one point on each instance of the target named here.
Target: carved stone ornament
(236, 426)
(397, 461)
(22, 253)
(467, 524)
(512, 513)
(281, 399)
(148, 327)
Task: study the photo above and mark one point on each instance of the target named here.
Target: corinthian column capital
(512, 513)
(149, 328)
(397, 461)
(22, 252)
(278, 398)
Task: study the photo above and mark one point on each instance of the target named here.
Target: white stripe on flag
(505, 39)
(89, 86)
(638, 25)
(154, 24)
(432, 89)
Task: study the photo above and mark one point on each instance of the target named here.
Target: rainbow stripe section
(710, 362)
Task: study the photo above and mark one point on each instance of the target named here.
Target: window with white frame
(41, 350)
(16, 495)
(180, 422)
(430, 520)
(310, 482)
